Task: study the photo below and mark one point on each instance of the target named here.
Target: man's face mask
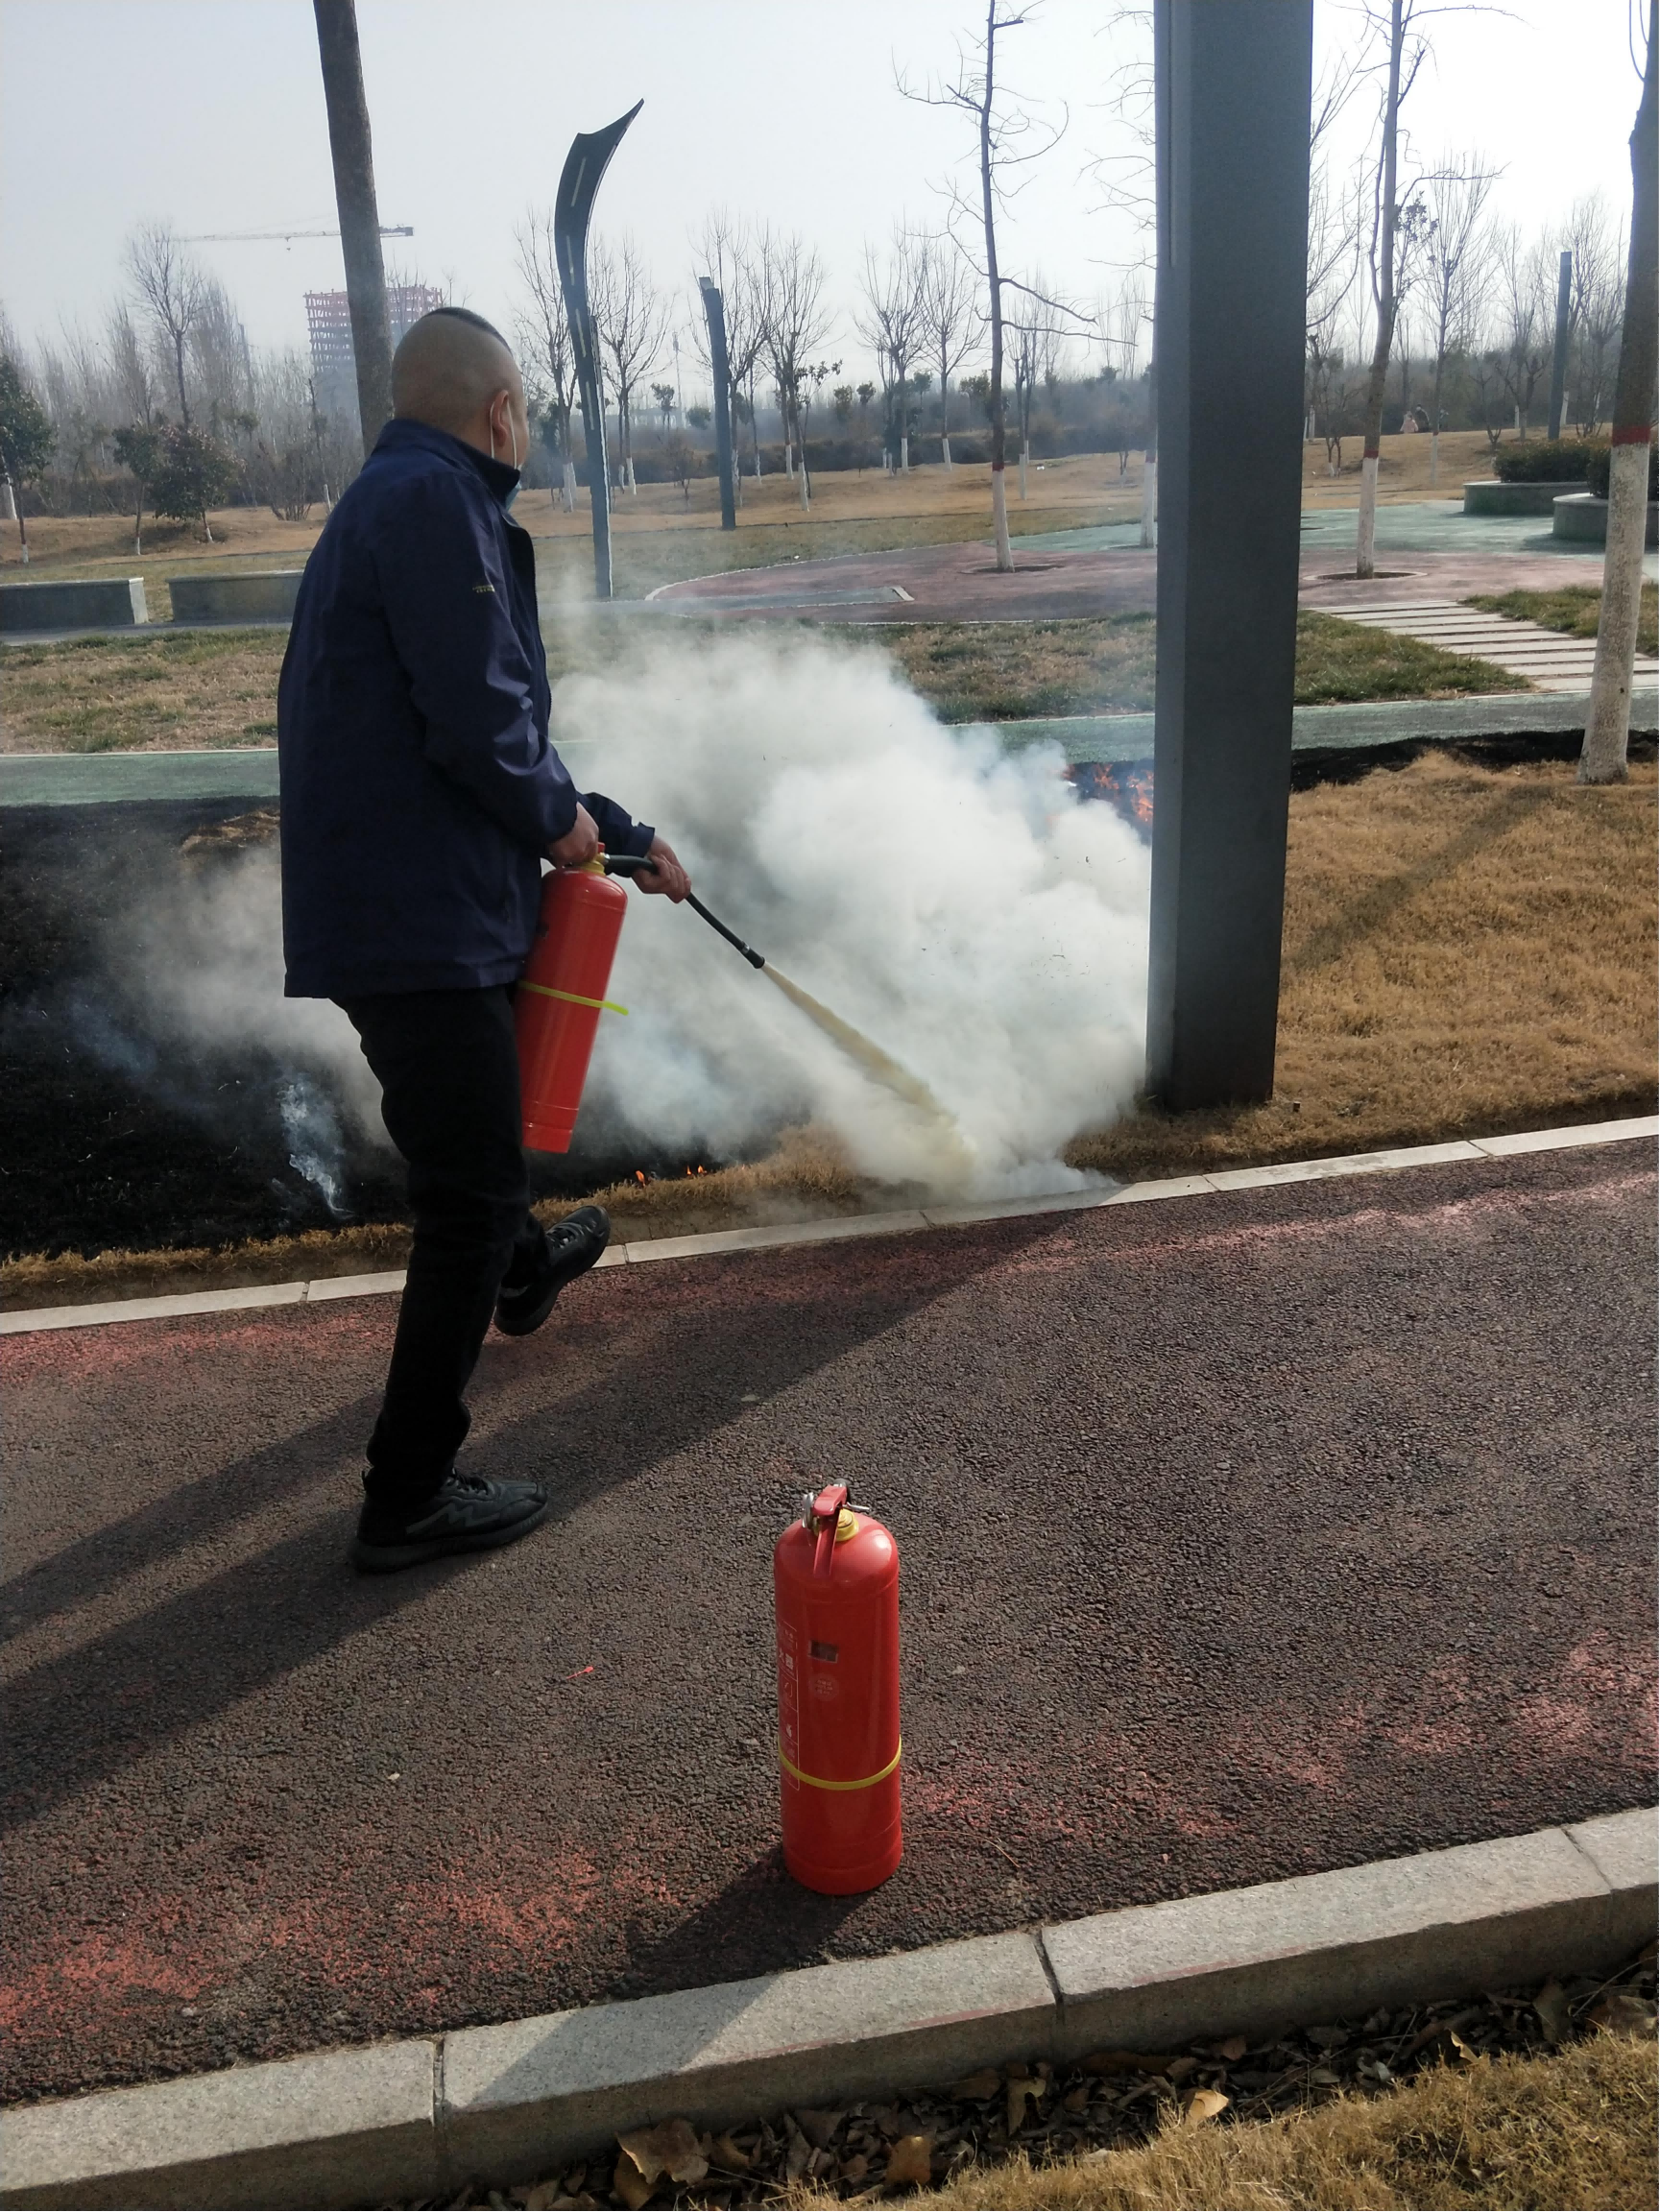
(513, 439)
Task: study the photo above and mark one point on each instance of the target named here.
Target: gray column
(585, 165)
(354, 156)
(1232, 82)
(714, 313)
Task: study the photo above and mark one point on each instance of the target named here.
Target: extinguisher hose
(628, 864)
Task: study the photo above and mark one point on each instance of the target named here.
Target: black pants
(449, 1076)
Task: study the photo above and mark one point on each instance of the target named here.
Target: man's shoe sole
(388, 1558)
(527, 1323)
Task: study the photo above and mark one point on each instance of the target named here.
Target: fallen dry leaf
(669, 2148)
(1203, 2105)
(799, 2156)
(1124, 2062)
(855, 2170)
(1024, 2088)
(1076, 2099)
(630, 2184)
(1622, 2014)
(976, 2088)
(543, 2197)
(1233, 2047)
(910, 2160)
(1460, 2048)
(725, 2153)
(819, 2126)
(1178, 2069)
(1551, 2007)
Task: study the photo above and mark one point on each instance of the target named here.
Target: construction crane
(241, 237)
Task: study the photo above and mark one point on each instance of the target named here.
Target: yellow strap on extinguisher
(816, 1782)
(605, 1005)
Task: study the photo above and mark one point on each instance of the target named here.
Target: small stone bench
(1491, 497)
(263, 595)
(79, 602)
(1583, 520)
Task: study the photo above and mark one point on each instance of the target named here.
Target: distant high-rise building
(333, 361)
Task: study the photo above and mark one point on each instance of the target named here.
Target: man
(420, 793)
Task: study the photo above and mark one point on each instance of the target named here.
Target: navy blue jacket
(418, 786)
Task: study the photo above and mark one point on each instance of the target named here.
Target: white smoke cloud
(957, 904)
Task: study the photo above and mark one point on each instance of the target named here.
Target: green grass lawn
(1574, 608)
(213, 688)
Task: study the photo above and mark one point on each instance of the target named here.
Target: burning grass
(1575, 608)
(1467, 950)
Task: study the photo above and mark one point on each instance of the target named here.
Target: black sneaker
(569, 1249)
(465, 1513)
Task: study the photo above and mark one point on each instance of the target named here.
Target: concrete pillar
(1231, 100)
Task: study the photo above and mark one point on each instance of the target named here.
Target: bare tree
(544, 336)
(890, 321)
(1526, 279)
(1630, 458)
(632, 320)
(1455, 266)
(725, 253)
(1008, 137)
(950, 321)
(795, 321)
(170, 287)
(1598, 246)
(130, 366)
(1392, 235)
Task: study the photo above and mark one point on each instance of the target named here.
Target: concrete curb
(32, 1320)
(492, 2106)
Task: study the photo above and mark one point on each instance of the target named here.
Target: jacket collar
(403, 435)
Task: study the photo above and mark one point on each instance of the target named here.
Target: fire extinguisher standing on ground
(836, 1590)
(556, 1006)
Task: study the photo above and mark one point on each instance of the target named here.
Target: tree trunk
(567, 486)
(904, 454)
(1151, 452)
(1608, 726)
(1006, 559)
(946, 450)
(1026, 454)
(178, 374)
(8, 501)
(1366, 527)
(348, 142)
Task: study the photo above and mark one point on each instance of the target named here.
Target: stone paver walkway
(1551, 658)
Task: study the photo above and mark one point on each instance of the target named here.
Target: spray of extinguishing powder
(874, 1061)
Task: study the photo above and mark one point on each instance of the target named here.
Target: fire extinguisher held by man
(419, 796)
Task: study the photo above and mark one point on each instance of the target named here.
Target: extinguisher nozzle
(755, 959)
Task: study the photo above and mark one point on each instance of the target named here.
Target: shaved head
(448, 367)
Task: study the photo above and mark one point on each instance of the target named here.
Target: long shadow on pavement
(79, 1718)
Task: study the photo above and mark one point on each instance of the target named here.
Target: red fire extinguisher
(559, 998)
(836, 1592)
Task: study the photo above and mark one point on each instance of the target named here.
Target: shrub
(1543, 461)
(1597, 475)
(194, 472)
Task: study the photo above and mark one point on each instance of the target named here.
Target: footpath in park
(1247, 1532)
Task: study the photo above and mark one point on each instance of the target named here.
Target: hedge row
(1546, 461)
(1597, 475)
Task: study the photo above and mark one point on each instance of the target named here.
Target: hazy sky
(209, 114)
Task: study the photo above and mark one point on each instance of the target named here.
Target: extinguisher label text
(829, 1654)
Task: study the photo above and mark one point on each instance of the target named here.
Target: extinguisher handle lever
(827, 1512)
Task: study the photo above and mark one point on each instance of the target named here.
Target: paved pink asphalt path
(960, 584)
(1242, 1536)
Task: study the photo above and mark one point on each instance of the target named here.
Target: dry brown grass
(1575, 2130)
(1467, 950)
(97, 694)
(1402, 470)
